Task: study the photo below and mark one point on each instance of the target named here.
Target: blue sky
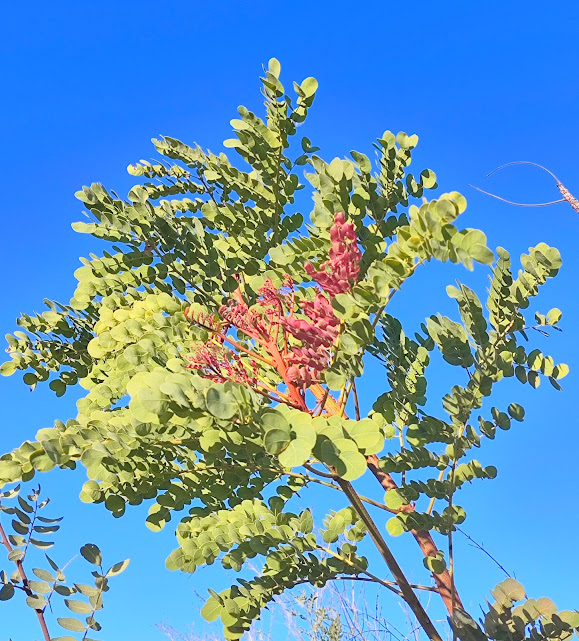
(86, 85)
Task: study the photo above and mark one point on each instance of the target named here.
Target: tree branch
(39, 613)
(406, 590)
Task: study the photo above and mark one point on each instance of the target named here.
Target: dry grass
(341, 612)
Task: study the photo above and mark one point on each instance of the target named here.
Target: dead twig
(567, 195)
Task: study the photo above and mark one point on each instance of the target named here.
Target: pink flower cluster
(219, 364)
(317, 332)
(338, 274)
(316, 335)
(237, 314)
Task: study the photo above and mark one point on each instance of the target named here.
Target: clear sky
(86, 85)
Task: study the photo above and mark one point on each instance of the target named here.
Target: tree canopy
(220, 339)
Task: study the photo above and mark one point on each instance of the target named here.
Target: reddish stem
(39, 613)
(280, 364)
(424, 539)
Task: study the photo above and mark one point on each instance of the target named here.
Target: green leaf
(309, 86)
(41, 545)
(57, 386)
(306, 522)
(569, 617)
(428, 179)
(92, 554)
(118, 568)
(351, 464)
(395, 526)
(8, 368)
(405, 141)
(465, 627)
(35, 602)
(44, 575)
(115, 504)
(367, 435)
(19, 527)
(534, 379)
(560, 371)
(271, 419)
(41, 587)
(25, 505)
(86, 590)
(299, 449)
(42, 461)
(16, 555)
(211, 610)
(521, 373)
(220, 403)
(53, 565)
(6, 592)
(545, 606)
(64, 590)
(437, 564)
(335, 380)
(393, 499)
(276, 440)
(78, 607)
(554, 316)
(274, 67)
(362, 160)
(10, 471)
(74, 625)
(516, 411)
(507, 591)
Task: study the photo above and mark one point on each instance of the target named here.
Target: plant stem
(406, 590)
(567, 195)
(390, 585)
(39, 613)
(423, 538)
(480, 547)
(356, 402)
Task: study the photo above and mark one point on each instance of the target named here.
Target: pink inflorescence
(316, 335)
(219, 364)
(317, 332)
(237, 314)
(338, 274)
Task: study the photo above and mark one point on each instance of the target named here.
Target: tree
(220, 344)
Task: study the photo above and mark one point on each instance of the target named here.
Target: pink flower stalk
(205, 320)
(323, 329)
(338, 274)
(250, 321)
(220, 364)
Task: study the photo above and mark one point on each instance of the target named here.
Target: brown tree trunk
(424, 539)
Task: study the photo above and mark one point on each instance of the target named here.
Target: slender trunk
(405, 588)
(39, 613)
(424, 539)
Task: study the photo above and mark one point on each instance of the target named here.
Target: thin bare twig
(356, 402)
(480, 547)
(567, 195)
(512, 202)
